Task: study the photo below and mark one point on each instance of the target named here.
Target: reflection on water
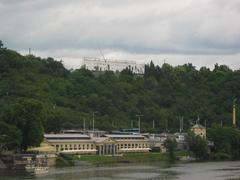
(180, 171)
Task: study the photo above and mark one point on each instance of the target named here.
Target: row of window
(73, 147)
(61, 147)
(138, 138)
(120, 146)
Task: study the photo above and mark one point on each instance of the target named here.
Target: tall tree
(197, 145)
(26, 115)
(1, 44)
(10, 136)
(170, 145)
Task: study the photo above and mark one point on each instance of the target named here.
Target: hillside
(163, 94)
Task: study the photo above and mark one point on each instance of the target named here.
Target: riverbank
(71, 160)
(132, 171)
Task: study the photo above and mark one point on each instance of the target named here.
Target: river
(180, 171)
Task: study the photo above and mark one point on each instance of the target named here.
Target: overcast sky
(202, 32)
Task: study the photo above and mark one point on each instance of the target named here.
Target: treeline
(43, 94)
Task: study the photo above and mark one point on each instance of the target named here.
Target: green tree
(226, 140)
(10, 136)
(1, 44)
(197, 145)
(161, 95)
(26, 115)
(170, 145)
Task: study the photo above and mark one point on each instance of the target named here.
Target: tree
(1, 44)
(170, 145)
(26, 115)
(10, 136)
(197, 145)
(162, 94)
(226, 140)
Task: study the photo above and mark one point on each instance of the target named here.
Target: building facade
(94, 64)
(71, 143)
(130, 143)
(199, 130)
(105, 145)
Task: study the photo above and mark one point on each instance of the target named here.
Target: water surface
(180, 171)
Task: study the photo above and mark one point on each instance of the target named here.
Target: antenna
(102, 54)
(198, 119)
(29, 51)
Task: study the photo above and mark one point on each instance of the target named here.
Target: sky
(201, 32)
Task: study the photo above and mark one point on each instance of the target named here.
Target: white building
(94, 64)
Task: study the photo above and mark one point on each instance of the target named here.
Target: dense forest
(38, 95)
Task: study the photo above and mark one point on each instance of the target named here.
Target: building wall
(94, 64)
(133, 146)
(90, 147)
(80, 147)
(200, 132)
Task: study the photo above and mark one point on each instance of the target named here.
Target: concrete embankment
(2, 165)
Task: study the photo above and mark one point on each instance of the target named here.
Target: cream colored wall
(122, 146)
(74, 146)
(200, 131)
(136, 146)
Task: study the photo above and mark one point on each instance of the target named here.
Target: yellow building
(130, 142)
(199, 130)
(71, 143)
(107, 144)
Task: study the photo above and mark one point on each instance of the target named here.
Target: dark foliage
(69, 97)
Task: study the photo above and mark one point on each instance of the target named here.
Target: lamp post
(93, 119)
(84, 125)
(139, 122)
(234, 112)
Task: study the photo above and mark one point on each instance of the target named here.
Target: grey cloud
(136, 27)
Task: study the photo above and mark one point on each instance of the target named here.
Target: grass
(181, 153)
(125, 158)
(62, 162)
